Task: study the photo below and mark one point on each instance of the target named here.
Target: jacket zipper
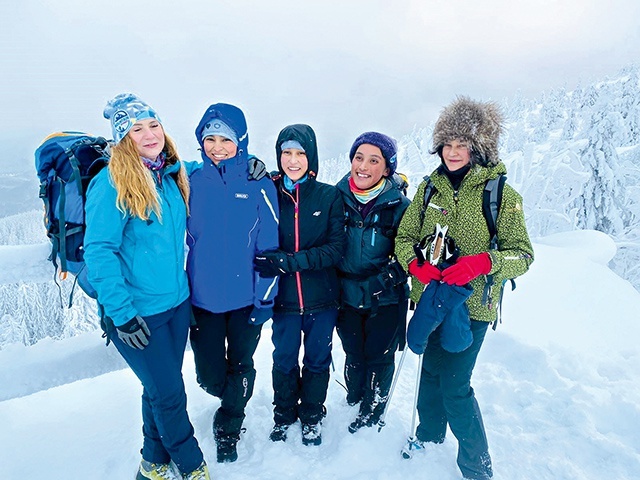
(296, 230)
(296, 216)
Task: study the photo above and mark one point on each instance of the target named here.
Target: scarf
(154, 165)
(365, 196)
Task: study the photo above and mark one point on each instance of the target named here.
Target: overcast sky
(343, 67)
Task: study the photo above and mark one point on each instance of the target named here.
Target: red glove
(425, 272)
(467, 268)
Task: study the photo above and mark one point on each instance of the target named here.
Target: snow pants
(370, 342)
(446, 396)
(167, 431)
(223, 346)
(302, 396)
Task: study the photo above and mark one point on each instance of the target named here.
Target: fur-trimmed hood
(479, 123)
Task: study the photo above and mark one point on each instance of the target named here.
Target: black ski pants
(223, 346)
(446, 396)
(369, 342)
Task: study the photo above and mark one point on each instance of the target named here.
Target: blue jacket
(231, 219)
(136, 266)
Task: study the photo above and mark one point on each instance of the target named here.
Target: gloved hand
(425, 272)
(270, 263)
(257, 168)
(134, 333)
(467, 268)
(260, 315)
(391, 276)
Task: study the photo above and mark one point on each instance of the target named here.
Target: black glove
(392, 275)
(257, 168)
(134, 333)
(260, 315)
(271, 263)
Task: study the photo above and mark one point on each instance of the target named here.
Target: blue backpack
(66, 162)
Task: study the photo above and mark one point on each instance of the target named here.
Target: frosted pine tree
(602, 205)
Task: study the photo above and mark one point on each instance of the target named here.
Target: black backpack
(491, 201)
(66, 162)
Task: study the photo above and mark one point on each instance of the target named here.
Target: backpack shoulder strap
(491, 200)
(429, 190)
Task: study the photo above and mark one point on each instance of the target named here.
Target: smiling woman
(134, 252)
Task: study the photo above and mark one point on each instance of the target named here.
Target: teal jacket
(136, 266)
(370, 245)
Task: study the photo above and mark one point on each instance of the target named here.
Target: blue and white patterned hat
(124, 111)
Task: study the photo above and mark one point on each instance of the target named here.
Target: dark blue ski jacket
(231, 219)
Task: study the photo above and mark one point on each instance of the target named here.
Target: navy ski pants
(317, 329)
(446, 396)
(309, 388)
(168, 433)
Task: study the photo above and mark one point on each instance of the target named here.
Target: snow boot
(226, 433)
(279, 433)
(155, 471)
(360, 422)
(200, 473)
(286, 396)
(354, 376)
(311, 434)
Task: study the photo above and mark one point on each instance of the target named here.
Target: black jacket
(369, 254)
(314, 238)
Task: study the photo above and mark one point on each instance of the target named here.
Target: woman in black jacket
(374, 286)
(312, 241)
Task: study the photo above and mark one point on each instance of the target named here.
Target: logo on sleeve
(243, 196)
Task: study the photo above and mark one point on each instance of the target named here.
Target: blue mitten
(456, 333)
(427, 316)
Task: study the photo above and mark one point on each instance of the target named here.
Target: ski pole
(412, 442)
(381, 422)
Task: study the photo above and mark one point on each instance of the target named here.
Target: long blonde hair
(135, 186)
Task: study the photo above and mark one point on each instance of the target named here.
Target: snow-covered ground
(558, 384)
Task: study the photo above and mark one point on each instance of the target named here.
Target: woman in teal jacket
(134, 251)
(373, 285)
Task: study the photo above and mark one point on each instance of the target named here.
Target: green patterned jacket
(461, 211)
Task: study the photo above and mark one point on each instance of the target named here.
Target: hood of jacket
(306, 137)
(233, 117)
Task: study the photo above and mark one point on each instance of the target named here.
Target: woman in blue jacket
(232, 218)
(134, 252)
(311, 245)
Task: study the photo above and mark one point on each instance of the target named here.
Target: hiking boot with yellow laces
(200, 473)
(156, 471)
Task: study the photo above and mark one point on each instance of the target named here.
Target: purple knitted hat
(387, 146)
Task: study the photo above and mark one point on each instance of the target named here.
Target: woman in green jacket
(466, 139)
